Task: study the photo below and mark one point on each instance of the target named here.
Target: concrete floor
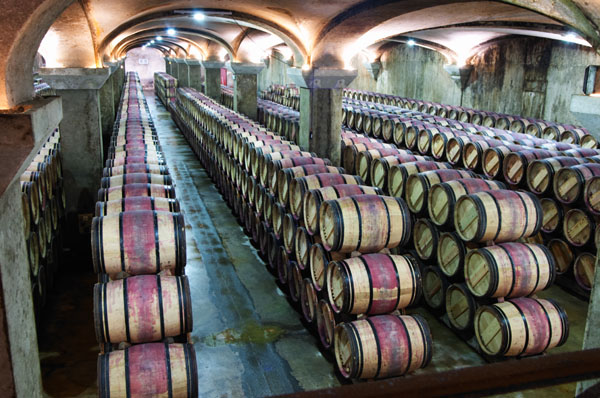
(249, 341)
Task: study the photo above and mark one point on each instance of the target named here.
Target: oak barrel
(133, 190)
(584, 269)
(381, 167)
(461, 307)
(451, 252)
(135, 178)
(425, 239)
(399, 174)
(553, 216)
(309, 301)
(285, 175)
(137, 203)
(318, 260)
(515, 164)
(135, 168)
(569, 182)
(301, 185)
(578, 228)
(435, 284)
(540, 173)
(418, 185)
(563, 255)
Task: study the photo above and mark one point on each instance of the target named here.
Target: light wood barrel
(289, 232)
(133, 190)
(382, 346)
(30, 190)
(515, 164)
(135, 159)
(301, 185)
(373, 284)
(540, 173)
(285, 175)
(509, 270)
(302, 245)
(309, 301)
(425, 239)
(149, 370)
(33, 253)
(283, 266)
(569, 182)
(314, 198)
(455, 147)
(142, 309)
(418, 185)
(137, 203)
(318, 260)
(135, 168)
(553, 216)
(134, 153)
(563, 255)
(521, 326)
(365, 159)
(435, 284)
(135, 146)
(493, 159)
(461, 307)
(138, 242)
(135, 178)
(443, 196)
(499, 216)
(451, 252)
(578, 228)
(584, 269)
(278, 216)
(364, 223)
(399, 174)
(380, 167)
(275, 167)
(591, 195)
(326, 323)
(473, 152)
(294, 281)
(350, 153)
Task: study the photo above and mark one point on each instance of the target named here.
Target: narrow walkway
(249, 341)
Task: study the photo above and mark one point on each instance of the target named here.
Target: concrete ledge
(240, 68)
(213, 64)
(587, 110)
(322, 78)
(193, 62)
(179, 60)
(75, 78)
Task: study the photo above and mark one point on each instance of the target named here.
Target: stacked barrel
(227, 96)
(288, 96)
(274, 187)
(165, 88)
(43, 199)
(142, 302)
(279, 118)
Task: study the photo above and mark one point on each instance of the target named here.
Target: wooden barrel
(521, 326)
(443, 196)
(135, 159)
(365, 159)
(318, 260)
(263, 238)
(277, 217)
(133, 190)
(137, 203)
(381, 167)
(309, 301)
(399, 174)
(283, 266)
(273, 245)
(275, 167)
(569, 182)
(493, 159)
(350, 153)
(461, 307)
(515, 164)
(263, 168)
(134, 146)
(301, 185)
(584, 269)
(552, 216)
(455, 147)
(540, 173)
(563, 255)
(591, 195)
(135, 178)
(425, 239)
(418, 185)
(451, 252)
(373, 284)
(294, 281)
(439, 142)
(326, 323)
(285, 175)
(150, 154)
(509, 270)
(364, 223)
(33, 253)
(129, 310)
(499, 216)
(149, 370)
(289, 232)
(314, 198)
(382, 346)
(473, 152)
(138, 242)
(435, 284)
(302, 245)
(135, 168)
(578, 228)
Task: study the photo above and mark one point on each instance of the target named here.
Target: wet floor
(249, 341)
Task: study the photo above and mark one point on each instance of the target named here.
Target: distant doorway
(145, 61)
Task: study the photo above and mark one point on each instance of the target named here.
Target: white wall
(155, 63)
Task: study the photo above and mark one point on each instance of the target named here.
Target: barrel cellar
(261, 198)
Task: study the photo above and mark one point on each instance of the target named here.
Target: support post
(212, 81)
(245, 88)
(183, 79)
(321, 109)
(194, 74)
(168, 66)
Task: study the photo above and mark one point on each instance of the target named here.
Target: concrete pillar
(212, 81)
(194, 74)
(245, 88)
(23, 133)
(168, 65)
(321, 109)
(81, 134)
(183, 76)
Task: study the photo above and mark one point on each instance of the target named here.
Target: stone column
(81, 134)
(183, 73)
(245, 88)
(321, 109)
(168, 65)
(24, 130)
(212, 81)
(194, 74)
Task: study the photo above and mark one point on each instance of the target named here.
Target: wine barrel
(150, 154)
(509, 270)
(418, 185)
(302, 246)
(138, 242)
(540, 173)
(563, 255)
(135, 178)
(552, 216)
(461, 307)
(31, 191)
(285, 175)
(299, 186)
(365, 159)
(149, 370)
(493, 159)
(294, 281)
(350, 152)
(289, 232)
(569, 182)
(134, 146)
(133, 190)
(309, 301)
(130, 309)
(314, 198)
(521, 326)
(584, 269)
(326, 323)
(273, 254)
(318, 260)
(373, 284)
(135, 168)
(277, 217)
(473, 152)
(451, 252)
(364, 223)
(382, 346)
(515, 164)
(443, 196)
(578, 228)
(399, 174)
(425, 239)
(33, 253)
(283, 267)
(439, 142)
(275, 167)
(435, 284)
(262, 170)
(381, 167)
(591, 195)
(135, 159)
(499, 216)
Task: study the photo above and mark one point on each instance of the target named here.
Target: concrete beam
(194, 74)
(212, 81)
(245, 87)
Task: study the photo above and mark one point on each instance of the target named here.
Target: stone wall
(156, 63)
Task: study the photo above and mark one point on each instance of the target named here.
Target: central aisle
(249, 341)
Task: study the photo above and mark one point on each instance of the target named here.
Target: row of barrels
(518, 124)
(288, 96)
(280, 119)
(142, 302)
(165, 87)
(227, 96)
(43, 204)
(264, 205)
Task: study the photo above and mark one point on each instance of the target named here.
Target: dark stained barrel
(435, 284)
(591, 195)
(309, 301)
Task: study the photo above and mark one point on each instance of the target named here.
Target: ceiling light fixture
(171, 32)
(198, 16)
(158, 38)
(411, 42)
